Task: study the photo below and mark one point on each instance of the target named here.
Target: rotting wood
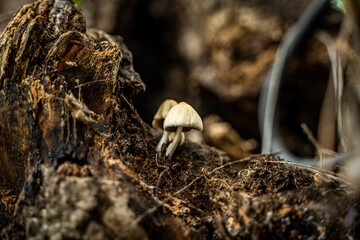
(64, 106)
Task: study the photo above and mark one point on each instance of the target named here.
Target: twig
(320, 150)
(91, 82)
(310, 136)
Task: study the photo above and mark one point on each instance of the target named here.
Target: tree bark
(51, 141)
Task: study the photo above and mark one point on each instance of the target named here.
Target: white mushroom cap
(162, 112)
(182, 115)
(182, 138)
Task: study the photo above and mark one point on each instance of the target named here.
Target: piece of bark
(45, 58)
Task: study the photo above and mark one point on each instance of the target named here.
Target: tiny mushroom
(182, 138)
(181, 118)
(159, 118)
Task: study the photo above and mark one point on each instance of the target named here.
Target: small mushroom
(182, 138)
(159, 118)
(181, 118)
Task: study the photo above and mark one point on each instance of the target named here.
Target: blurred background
(215, 55)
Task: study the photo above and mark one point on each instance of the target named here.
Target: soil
(266, 200)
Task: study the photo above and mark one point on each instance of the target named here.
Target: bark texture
(46, 56)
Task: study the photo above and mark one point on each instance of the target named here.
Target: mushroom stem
(164, 139)
(171, 148)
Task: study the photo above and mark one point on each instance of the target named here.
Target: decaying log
(47, 57)
(77, 161)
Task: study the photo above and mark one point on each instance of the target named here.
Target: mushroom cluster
(175, 119)
(159, 119)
